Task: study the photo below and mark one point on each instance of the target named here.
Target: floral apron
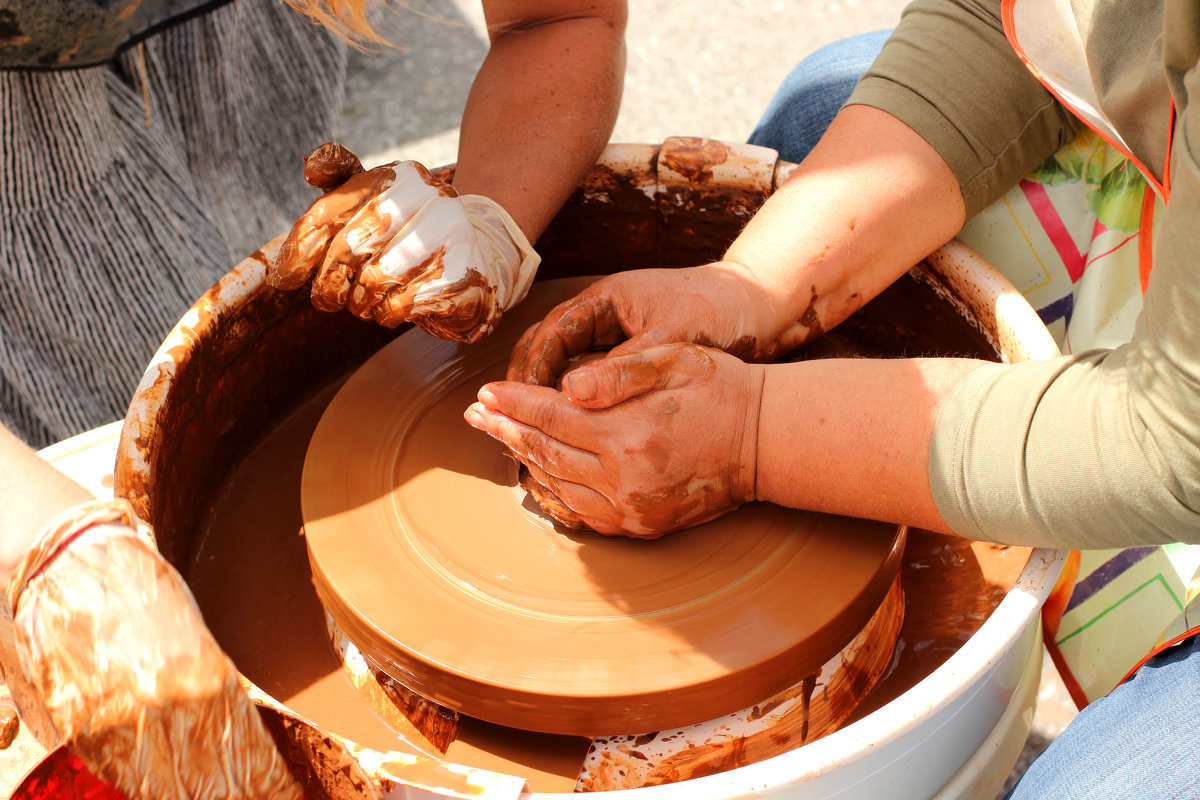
(1076, 239)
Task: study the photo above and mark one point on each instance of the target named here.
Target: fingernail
(474, 416)
(486, 397)
(582, 384)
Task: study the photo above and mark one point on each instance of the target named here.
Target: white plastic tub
(245, 349)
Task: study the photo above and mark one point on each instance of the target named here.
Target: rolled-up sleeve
(1100, 449)
(949, 73)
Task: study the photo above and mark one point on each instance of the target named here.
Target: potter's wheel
(438, 567)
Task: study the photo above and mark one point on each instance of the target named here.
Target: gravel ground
(700, 68)
(707, 72)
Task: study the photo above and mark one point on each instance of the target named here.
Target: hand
(109, 637)
(395, 244)
(716, 305)
(638, 444)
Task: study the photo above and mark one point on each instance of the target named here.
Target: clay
(951, 586)
(251, 578)
(500, 749)
(251, 555)
(428, 726)
(814, 707)
(218, 443)
(695, 158)
(431, 559)
(330, 165)
(312, 235)
(10, 723)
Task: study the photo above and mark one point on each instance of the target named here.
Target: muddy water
(251, 577)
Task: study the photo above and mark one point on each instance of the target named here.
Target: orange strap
(1052, 613)
(1146, 225)
(1165, 645)
(1146, 239)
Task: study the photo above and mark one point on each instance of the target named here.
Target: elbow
(602, 17)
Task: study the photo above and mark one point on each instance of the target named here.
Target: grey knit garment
(115, 214)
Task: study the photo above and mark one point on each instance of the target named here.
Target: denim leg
(1141, 741)
(810, 96)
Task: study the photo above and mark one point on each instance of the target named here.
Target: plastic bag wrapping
(111, 639)
(396, 244)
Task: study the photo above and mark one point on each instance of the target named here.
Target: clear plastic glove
(395, 244)
(112, 641)
(639, 444)
(716, 305)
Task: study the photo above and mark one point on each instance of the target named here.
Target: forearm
(543, 104)
(852, 436)
(34, 494)
(871, 200)
(949, 73)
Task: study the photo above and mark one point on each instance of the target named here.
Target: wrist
(773, 481)
(761, 312)
(504, 247)
(751, 442)
(85, 521)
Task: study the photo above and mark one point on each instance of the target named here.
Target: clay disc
(433, 561)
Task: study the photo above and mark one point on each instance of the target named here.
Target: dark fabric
(68, 34)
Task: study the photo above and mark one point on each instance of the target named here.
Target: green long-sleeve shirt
(1102, 448)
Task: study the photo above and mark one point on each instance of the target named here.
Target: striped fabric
(116, 214)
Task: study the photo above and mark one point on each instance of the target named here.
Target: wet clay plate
(439, 567)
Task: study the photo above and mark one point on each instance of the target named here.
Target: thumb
(618, 378)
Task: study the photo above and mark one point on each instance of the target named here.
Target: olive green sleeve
(1100, 449)
(949, 73)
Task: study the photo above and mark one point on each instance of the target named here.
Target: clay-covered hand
(638, 444)
(395, 244)
(716, 305)
(110, 639)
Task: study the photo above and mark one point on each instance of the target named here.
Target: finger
(616, 379)
(354, 274)
(547, 500)
(587, 322)
(548, 411)
(412, 234)
(464, 312)
(532, 445)
(644, 340)
(332, 284)
(516, 361)
(308, 241)
(574, 504)
(330, 165)
(300, 254)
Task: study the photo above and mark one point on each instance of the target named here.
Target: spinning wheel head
(433, 560)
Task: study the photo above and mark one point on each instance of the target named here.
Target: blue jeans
(1141, 741)
(812, 93)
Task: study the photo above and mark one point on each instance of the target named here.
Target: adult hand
(395, 244)
(638, 444)
(717, 305)
(112, 642)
